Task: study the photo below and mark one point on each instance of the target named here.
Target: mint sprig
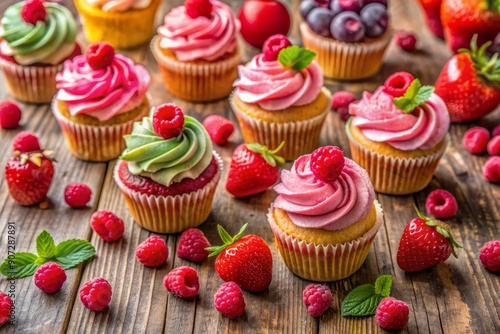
(363, 300)
(415, 95)
(295, 57)
(68, 254)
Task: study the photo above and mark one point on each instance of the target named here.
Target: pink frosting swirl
(381, 121)
(313, 203)
(275, 87)
(102, 93)
(202, 37)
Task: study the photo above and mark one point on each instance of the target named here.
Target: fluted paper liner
(346, 61)
(171, 214)
(324, 263)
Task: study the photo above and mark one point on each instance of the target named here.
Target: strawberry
(253, 169)
(469, 83)
(432, 10)
(244, 260)
(425, 243)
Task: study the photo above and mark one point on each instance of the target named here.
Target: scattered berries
(5, 308)
(168, 120)
(182, 281)
(96, 294)
(218, 128)
(392, 314)
(25, 142)
(476, 139)
(491, 169)
(152, 252)
(441, 204)
(192, 244)
(317, 299)
(50, 277)
(229, 300)
(273, 45)
(341, 101)
(490, 255)
(33, 11)
(405, 40)
(496, 130)
(197, 8)
(100, 55)
(397, 84)
(107, 225)
(77, 195)
(327, 163)
(10, 114)
(493, 146)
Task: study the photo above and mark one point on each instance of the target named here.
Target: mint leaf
(362, 301)
(45, 245)
(20, 265)
(295, 57)
(383, 285)
(415, 95)
(72, 252)
(424, 93)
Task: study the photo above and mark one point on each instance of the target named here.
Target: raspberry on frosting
(100, 55)
(33, 11)
(197, 8)
(273, 45)
(168, 120)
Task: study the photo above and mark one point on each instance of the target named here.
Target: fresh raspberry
(341, 101)
(496, 130)
(491, 169)
(77, 195)
(397, 84)
(25, 142)
(392, 314)
(5, 308)
(493, 146)
(229, 300)
(405, 40)
(317, 299)
(96, 294)
(33, 11)
(196, 8)
(182, 281)
(50, 277)
(100, 55)
(490, 255)
(168, 120)
(327, 163)
(219, 128)
(273, 45)
(476, 139)
(192, 244)
(441, 204)
(152, 252)
(107, 225)
(10, 114)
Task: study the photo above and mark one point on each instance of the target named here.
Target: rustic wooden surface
(459, 296)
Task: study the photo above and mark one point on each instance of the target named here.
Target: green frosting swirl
(168, 160)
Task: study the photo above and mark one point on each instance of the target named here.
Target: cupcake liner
(171, 214)
(32, 84)
(324, 263)
(199, 82)
(346, 61)
(300, 137)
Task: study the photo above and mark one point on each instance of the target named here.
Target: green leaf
(295, 57)
(45, 245)
(72, 252)
(226, 238)
(21, 265)
(361, 301)
(383, 285)
(415, 95)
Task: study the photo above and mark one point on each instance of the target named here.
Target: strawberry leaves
(486, 67)
(295, 57)
(414, 96)
(268, 155)
(363, 300)
(226, 238)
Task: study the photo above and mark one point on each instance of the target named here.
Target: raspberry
(96, 294)
(192, 244)
(327, 163)
(397, 84)
(77, 195)
(218, 128)
(493, 146)
(168, 120)
(107, 225)
(496, 130)
(341, 101)
(196, 8)
(317, 299)
(490, 255)
(33, 11)
(182, 281)
(441, 204)
(10, 114)
(491, 169)
(273, 45)
(100, 55)
(405, 40)
(25, 142)
(476, 139)
(229, 300)
(152, 252)
(5, 308)
(50, 277)
(392, 314)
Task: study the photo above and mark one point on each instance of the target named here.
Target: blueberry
(306, 6)
(319, 20)
(375, 18)
(347, 27)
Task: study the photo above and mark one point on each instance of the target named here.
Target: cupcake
(196, 50)
(350, 37)
(398, 134)
(35, 39)
(168, 173)
(325, 217)
(124, 24)
(101, 94)
(279, 96)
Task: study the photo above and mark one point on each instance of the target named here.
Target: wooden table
(459, 296)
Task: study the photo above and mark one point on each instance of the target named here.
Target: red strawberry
(469, 83)
(432, 10)
(244, 260)
(425, 243)
(253, 169)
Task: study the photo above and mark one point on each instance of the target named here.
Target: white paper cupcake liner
(324, 263)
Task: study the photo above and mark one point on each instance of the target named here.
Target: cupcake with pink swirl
(279, 96)
(100, 95)
(325, 217)
(399, 134)
(196, 50)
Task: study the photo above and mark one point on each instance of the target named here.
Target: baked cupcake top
(101, 84)
(204, 29)
(119, 5)
(280, 77)
(168, 146)
(402, 113)
(325, 190)
(36, 32)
